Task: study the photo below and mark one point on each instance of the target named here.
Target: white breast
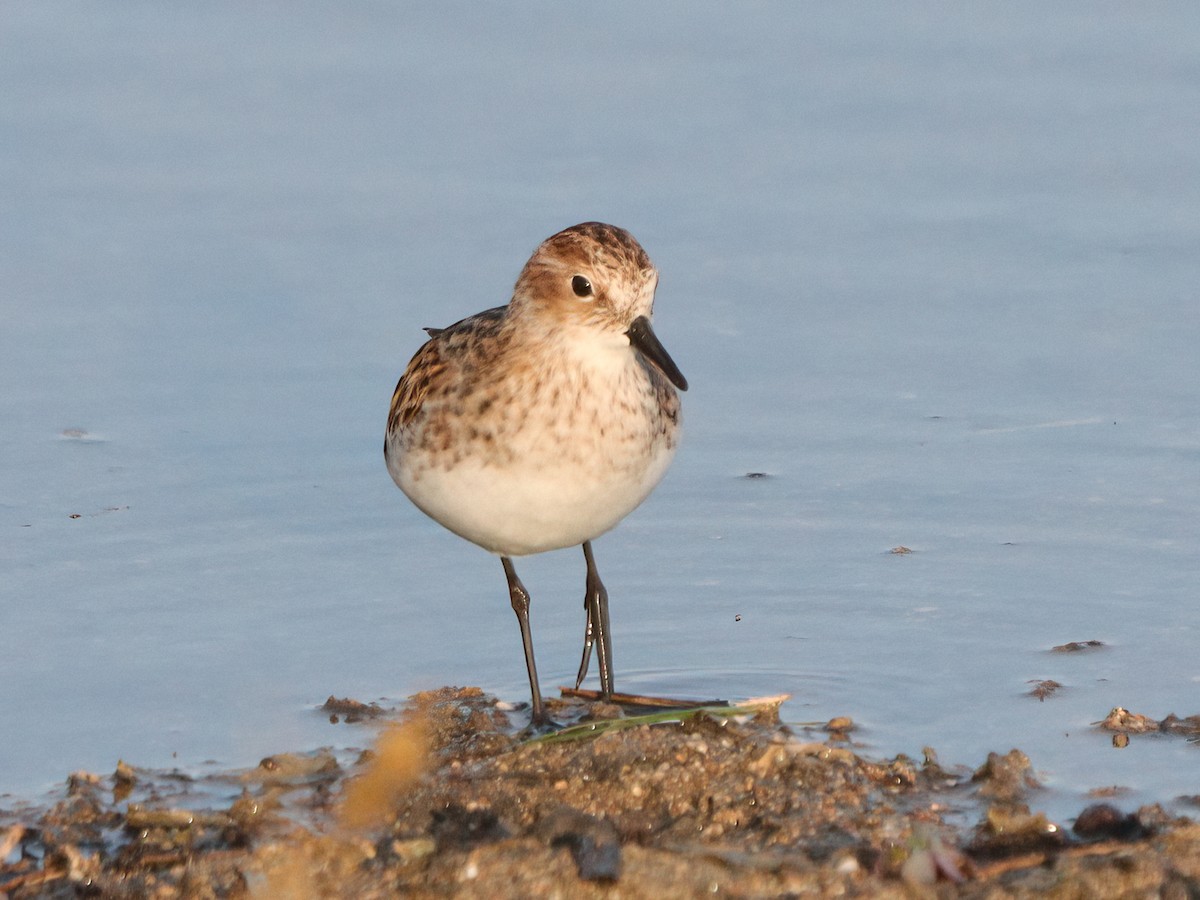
(569, 470)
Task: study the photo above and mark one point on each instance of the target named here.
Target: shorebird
(541, 424)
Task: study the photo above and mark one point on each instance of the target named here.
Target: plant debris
(1043, 688)
(1076, 646)
(1124, 722)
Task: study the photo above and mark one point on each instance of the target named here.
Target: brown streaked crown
(620, 272)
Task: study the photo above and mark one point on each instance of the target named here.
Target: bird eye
(581, 286)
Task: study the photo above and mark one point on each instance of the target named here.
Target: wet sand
(453, 801)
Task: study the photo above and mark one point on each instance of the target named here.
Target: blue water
(933, 271)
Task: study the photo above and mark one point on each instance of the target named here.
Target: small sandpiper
(541, 424)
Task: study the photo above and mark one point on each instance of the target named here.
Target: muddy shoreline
(453, 801)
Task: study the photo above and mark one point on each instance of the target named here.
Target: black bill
(642, 336)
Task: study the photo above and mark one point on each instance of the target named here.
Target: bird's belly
(529, 506)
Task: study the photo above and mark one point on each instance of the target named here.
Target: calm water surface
(932, 272)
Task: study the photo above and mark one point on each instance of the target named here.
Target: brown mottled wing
(446, 347)
(423, 370)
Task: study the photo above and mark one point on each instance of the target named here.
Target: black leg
(520, 604)
(596, 603)
(589, 638)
